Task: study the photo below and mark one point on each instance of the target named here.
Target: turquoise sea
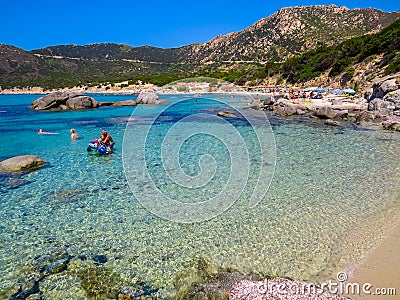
(329, 185)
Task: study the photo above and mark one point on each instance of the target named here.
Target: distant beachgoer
(40, 131)
(106, 139)
(74, 134)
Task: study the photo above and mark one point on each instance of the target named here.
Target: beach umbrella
(337, 92)
(319, 90)
(349, 91)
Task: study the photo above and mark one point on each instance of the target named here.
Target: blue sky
(40, 23)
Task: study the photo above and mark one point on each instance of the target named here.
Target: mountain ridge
(262, 36)
(284, 34)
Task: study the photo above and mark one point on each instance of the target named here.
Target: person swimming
(40, 131)
(74, 134)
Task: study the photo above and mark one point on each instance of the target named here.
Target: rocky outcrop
(147, 98)
(143, 98)
(81, 102)
(22, 163)
(283, 107)
(330, 113)
(125, 103)
(325, 112)
(64, 100)
(385, 96)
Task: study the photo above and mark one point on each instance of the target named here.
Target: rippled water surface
(328, 181)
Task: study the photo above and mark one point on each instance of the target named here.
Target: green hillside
(342, 57)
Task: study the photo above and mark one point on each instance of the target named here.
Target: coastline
(372, 257)
(381, 267)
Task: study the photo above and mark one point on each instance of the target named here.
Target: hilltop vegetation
(341, 58)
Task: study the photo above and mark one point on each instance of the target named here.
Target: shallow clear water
(327, 182)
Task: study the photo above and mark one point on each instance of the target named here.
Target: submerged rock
(100, 282)
(202, 280)
(226, 114)
(57, 266)
(21, 163)
(99, 259)
(140, 290)
(12, 181)
(64, 100)
(26, 287)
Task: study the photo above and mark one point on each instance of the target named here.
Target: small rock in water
(57, 266)
(140, 290)
(82, 257)
(41, 262)
(331, 122)
(226, 114)
(99, 259)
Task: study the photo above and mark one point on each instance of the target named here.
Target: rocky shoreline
(72, 100)
(379, 109)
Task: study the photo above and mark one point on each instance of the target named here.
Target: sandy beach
(381, 268)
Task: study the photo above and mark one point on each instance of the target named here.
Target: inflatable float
(96, 146)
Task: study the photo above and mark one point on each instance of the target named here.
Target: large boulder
(21, 164)
(389, 86)
(368, 117)
(285, 111)
(63, 100)
(81, 102)
(385, 107)
(382, 88)
(269, 101)
(325, 112)
(147, 98)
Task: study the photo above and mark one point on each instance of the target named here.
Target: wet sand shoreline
(381, 268)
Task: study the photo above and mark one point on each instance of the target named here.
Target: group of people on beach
(105, 137)
(303, 95)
